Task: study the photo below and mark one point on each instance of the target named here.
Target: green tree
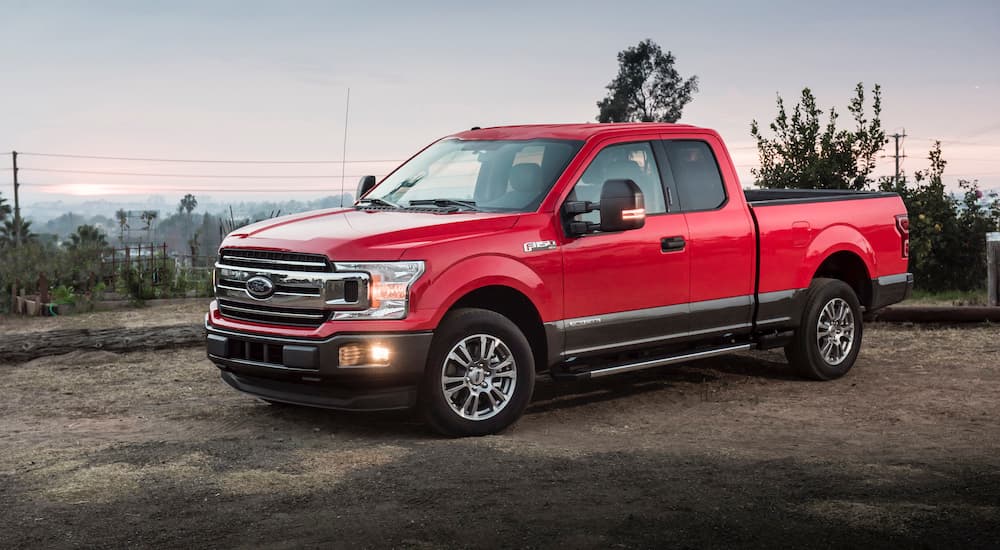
(946, 232)
(148, 217)
(805, 154)
(121, 216)
(5, 209)
(16, 231)
(187, 204)
(87, 237)
(647, 89)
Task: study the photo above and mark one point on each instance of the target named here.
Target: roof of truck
(567, 131)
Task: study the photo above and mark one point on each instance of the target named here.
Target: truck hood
(359, 235)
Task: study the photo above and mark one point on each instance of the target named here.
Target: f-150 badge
(535, 246)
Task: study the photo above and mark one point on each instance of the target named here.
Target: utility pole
(898, 138)
(17, 203)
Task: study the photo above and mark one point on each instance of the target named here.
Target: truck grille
(272, 315)
(265, 259)
(305, 290)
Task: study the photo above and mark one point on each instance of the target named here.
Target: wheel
(828, 340)
(480, 374)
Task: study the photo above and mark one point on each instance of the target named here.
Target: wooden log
(937, 314)
(16, 348)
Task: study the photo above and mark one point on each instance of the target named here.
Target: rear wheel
(828, 340)
(480, 374)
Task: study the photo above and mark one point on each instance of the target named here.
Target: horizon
(244, 81)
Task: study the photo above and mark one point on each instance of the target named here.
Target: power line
(959, 142)
(111, 189)
(161, 175)
(205, 161)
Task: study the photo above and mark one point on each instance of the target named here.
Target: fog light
(379, 354)
(351, 355)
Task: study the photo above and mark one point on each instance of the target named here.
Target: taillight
(903, 226)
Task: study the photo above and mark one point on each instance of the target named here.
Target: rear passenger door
(721, 239)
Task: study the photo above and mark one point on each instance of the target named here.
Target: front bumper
(307, 371)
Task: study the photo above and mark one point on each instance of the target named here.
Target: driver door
(630, 288)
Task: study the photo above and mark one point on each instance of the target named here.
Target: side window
(696, 174)
(633, 161)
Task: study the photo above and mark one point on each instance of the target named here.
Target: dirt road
(98, 449)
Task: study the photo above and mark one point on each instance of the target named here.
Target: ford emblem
(260, 288)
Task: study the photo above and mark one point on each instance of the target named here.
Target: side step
(646, 364)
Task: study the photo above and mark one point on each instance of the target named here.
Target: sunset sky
(268, 80)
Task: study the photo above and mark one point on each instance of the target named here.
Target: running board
(648, 363)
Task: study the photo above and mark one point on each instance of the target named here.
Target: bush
(947, 235)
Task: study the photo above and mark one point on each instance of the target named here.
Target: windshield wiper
(377, 202)
(469, 205)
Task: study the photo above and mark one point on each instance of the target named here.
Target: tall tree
(188, 204)
(647, 89)
(149, 216)
(16, 231)
(122, 217)
(87, 237)
(805, 154)
(4, 209)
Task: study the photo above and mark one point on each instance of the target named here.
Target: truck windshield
(491, 176)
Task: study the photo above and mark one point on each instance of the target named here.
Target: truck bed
(765, 197)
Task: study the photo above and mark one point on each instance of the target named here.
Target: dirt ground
(154, 313)
(105, 450)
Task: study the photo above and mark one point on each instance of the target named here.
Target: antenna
(343, 157)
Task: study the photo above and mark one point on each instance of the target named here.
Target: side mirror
(622, 206)
(364, 186)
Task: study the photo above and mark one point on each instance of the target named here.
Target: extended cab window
(488, 175)
(631, 161)
(696, 174)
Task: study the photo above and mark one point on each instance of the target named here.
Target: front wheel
(480, 374)
(828, 340)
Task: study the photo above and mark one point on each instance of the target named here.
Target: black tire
(280, 404)
(828, 360)
(466, 327)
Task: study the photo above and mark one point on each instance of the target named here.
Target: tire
(820, 354)
(280, 404)
(465, 394)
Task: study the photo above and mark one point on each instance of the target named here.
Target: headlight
(388, 288)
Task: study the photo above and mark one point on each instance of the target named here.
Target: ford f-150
(577, 250)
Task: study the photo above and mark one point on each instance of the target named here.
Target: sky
(268, 81)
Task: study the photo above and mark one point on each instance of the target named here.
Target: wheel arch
(516, 306)
(849, 267)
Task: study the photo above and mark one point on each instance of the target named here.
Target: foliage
(5, 209)
(87, 237)
(647, 89)
(121, 216)
(187, 204)
(804, 154)
(947, 234)
(14, 231)
(63, 294)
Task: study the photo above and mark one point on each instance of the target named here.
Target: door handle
(672, 244)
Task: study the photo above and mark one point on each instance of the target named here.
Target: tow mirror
(364, 186)
(622, 206)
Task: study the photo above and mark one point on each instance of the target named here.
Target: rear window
(696, 175)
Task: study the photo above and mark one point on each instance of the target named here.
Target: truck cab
(580, 251)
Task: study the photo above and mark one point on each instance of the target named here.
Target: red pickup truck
(580, 250)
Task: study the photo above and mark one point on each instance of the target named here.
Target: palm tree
(149, 216)
(16, 231)
(122, 216)
(87, 237)
(188, 203)
(4, 209)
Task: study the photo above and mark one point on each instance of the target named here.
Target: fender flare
(834, 239)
